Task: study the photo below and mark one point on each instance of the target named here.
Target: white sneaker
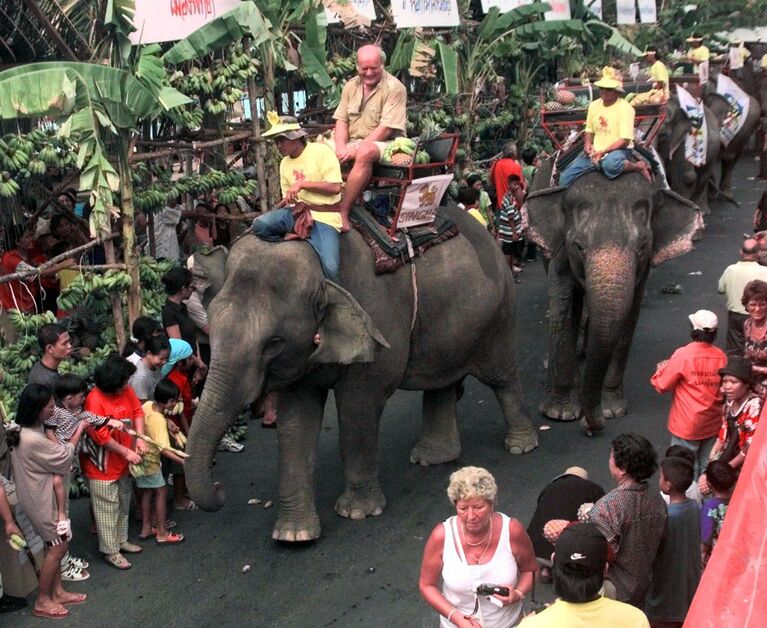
(74, 560)
(227, 444)
(74, 574)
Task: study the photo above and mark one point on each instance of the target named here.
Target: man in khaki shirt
(372, 111)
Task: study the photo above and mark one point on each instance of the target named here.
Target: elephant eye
(273, 345)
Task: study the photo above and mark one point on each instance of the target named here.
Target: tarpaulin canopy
(731, 592)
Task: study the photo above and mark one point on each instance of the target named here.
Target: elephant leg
(440, 441)
(614, 403)
(565, 304)
(728, 166)
(359, 409)
(298, 430)
(521, 436)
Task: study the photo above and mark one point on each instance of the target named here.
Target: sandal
(73, 573)
(190, 506)
(50, 614)
(118, 561)
(169, 524)
(77, 598)
(74, 560)
(227, 444)
(171, 539)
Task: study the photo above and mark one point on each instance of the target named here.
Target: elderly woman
(755, 332)
(477, 546)
(632, 519)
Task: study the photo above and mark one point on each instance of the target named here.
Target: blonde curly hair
(471, 482)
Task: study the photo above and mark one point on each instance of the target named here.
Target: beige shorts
(381, 146)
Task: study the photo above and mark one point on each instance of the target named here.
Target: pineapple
(564, 97)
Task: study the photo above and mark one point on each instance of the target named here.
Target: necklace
(487, 544)
(470, 544)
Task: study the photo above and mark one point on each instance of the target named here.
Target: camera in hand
(492, 589)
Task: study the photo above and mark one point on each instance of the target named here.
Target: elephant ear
(676, 222)
(546, 219)
(347, 334)
(210, 265)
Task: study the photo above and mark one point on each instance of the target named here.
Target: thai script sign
(413, 13)
(169, 20)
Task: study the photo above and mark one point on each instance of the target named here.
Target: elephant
(278, 324)
(729, 155)
(601, 237)
(683, 177)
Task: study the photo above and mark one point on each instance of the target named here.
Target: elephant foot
(521, 440)
(360, 503)
(428, 452)
(560, 409)
(594, 423)
(614, 404)
(296, 530)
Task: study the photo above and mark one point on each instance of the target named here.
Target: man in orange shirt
(692, 373)
(503, 169)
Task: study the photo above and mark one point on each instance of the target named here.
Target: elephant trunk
(610, 280)
(221, 403)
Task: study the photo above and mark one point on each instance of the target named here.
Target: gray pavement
(365, 573)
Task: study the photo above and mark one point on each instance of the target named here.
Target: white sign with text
(422, 198)
(627, 11)
(170, 20)
(363, 7)
(414, 13)
(648, 12)
(503, 5)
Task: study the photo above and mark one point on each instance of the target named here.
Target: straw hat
(610, 80)
(285, 126)
(694, 37)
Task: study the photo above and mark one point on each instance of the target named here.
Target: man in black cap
(580, 560)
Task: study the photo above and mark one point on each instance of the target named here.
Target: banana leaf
(119, 16)
(553, 27)
(449, 58)
(616, 40)
(245, 20)
(150, 70)
(313, 50)
(403, 50)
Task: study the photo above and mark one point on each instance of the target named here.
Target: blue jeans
(611, 165)
(273, 226)
(701, 449)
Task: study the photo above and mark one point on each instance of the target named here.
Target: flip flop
(78, 599)
(190, 506)
(50, 614)
(145, 537)
(172, 539)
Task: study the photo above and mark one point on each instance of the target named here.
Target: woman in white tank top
(477, 546)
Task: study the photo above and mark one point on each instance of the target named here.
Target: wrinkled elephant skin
(602, 237)
(263, 321)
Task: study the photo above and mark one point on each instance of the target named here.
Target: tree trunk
(128, 230)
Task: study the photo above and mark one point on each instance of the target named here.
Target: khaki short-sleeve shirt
(386, 106)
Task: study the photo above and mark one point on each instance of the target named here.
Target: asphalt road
(365, 573)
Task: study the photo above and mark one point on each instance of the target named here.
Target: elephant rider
(372, 110)
(609, 135)
(310, 179)
(738, 54)
(697, 53)
(658, 71)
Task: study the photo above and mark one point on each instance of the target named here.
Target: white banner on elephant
(560, 10)
(503, 5)
(738, 101)
(648, 11)
(364, 7)
(695, 142)
(595, 6)
(431, 13)
(627, 11)
(422, 198)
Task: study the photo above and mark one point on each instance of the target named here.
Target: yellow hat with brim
(284, 126)
(610, 83)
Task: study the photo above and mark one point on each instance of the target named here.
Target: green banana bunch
(8, 187)
(36, 166)
(215, 107)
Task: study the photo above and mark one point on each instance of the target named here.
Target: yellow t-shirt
(699, 54)
(317, 162)
(763, 62)
(156, 428)
(610, 124)
(601, 613)
(659, 74)
(475, 213)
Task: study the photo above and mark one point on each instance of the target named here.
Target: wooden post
(256, 131)
(150, 234)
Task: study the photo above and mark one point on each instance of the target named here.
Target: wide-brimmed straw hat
(284, 126)
(610, 80)
(650, 50)
(694, 37)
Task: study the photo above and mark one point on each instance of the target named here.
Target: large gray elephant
(729, 155)
(683, 177)
(602, 237)
(423, 327)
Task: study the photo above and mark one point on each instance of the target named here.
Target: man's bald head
(370, 66)
(371, 53)
(749, 249)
